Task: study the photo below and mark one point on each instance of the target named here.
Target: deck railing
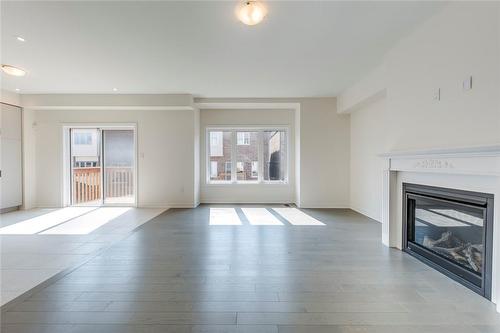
(86, 184)
(119, 182)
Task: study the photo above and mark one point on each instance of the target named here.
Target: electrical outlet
(437, 94)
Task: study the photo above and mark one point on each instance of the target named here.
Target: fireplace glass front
(449, 229)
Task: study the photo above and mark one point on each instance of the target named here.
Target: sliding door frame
(66, 180)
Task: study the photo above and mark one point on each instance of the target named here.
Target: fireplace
(451, 231)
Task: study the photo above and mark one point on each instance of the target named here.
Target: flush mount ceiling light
(20, 38)
(251, 12)
(11, 70)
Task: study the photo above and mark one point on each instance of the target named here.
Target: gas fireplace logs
(467, 254)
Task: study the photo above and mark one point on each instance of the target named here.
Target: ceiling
(301, 49)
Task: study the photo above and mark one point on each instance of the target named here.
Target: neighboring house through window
(260, 155)
(216, 143)
(243, 138)
(83, 138)
(255, 168)
(213, 169)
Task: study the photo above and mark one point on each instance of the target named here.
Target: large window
(258, 155)
(220, 155)
(247, 151)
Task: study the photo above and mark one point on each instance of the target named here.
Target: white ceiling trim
(248, 106)
(112, 108)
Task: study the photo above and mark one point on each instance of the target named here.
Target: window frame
(260, 154)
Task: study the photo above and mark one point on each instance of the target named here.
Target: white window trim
(260, 155)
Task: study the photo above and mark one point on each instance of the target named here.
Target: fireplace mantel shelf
(492, 150)
(479, 160)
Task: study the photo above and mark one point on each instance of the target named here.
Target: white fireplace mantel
(469, 168)
(484, 160)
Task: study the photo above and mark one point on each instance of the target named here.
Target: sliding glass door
(86, 173)
(118, 166)
(102, 166)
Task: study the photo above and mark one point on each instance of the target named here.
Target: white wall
(321, 144)
(324, 154)
(29, 159)
(197, 157)
(367, 141)
(166, 148)
(248, 193)
(461, 40)
(171, 162)
(10, 97)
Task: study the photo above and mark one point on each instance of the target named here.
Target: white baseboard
(324, 205)
(237, 202)
(167, 205)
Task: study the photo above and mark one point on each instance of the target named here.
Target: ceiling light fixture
(18, 90)
(11, 70)
(21, 39)
(251, 12)
(114, 89)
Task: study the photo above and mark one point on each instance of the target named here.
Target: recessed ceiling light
(11, 70)
(21, 39)
(18, 90)
(114, 89)
(251, 12)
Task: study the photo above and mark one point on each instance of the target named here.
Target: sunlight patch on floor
(297, 217)
(43, 222)
(87, 223)
(260, 216)
(224, 216)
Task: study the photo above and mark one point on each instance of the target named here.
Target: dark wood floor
(177, 273)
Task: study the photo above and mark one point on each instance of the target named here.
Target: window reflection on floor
(87, 223)
(224, 216)
(65, 221)
(297, 217)
(43, 222)
(262, 216)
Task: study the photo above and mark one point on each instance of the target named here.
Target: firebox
(452, 231)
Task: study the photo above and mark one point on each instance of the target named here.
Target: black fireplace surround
(452, 231)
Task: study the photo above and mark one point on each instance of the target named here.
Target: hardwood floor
(178, 273)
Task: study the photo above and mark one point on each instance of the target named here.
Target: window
(255, 169)
(245, 154)
(243, 138)
(82, 138)
(275, 155)
(220, 155)
(239, 167)
(213, 169)
(227, 171)
(216, 144)
(259, 156)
